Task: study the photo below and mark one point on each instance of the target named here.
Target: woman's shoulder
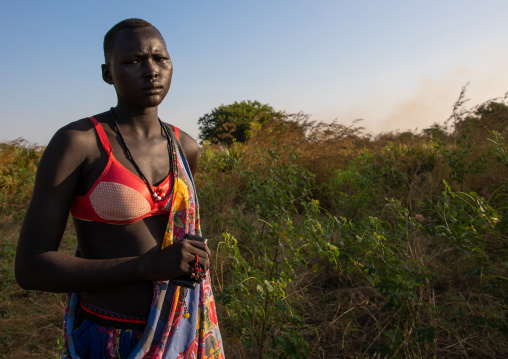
(79, 133)
(188, 143)
(76, 129)
(190, 148)
(77, 138)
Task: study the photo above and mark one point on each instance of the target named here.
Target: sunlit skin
(120, 262)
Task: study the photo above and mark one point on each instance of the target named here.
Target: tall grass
(329, 242)
(18, 164)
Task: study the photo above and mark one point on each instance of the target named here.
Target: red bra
(119, 196)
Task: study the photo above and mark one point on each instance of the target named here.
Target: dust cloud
(430, 101)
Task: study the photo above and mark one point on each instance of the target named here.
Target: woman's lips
(153, 89)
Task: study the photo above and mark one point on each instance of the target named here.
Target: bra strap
(102, 135)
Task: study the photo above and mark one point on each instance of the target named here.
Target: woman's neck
(142, 122)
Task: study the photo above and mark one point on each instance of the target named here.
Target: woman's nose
(152, 70)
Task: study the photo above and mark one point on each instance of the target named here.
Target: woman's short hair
(109, 39)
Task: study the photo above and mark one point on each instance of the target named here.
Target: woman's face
(140, 67)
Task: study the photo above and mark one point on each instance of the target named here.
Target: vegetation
(227, 124)
(329, 242)
(30, 321)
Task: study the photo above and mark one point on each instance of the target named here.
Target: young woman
(126, 178)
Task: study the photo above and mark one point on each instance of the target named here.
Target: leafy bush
(18, 164)
(232, 123)
(261, 295)
(383, 258)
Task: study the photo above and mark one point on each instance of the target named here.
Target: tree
(232, 123)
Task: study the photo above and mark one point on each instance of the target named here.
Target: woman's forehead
(134, 40)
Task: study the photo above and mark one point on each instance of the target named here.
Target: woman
(126, 178)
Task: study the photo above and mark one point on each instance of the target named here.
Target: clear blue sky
(396, 64)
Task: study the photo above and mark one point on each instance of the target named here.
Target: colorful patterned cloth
(182, 323)
(95, 341)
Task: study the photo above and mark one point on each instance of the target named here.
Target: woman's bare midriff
(105, 241)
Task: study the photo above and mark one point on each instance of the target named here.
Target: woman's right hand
(176, 260)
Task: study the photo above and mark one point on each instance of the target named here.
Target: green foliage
(492, 115)
(368, 179)
(215, 159)
(261, 297)
(462, 157)
(352, 190)
(383, 256)
(464, 151)
(60, 342)
(7, 254)
(217, 183)
(499, 147)
(432, 259)
(468, 222)
(227, 124)
(18, 164)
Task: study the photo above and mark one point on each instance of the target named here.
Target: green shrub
(18, 164)
(261, 297)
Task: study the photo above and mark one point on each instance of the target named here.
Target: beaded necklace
(171, 152)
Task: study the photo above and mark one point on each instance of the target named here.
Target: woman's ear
(106, 74)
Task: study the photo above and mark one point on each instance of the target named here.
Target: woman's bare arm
(40, 266)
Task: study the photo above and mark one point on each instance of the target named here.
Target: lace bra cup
(119, 196)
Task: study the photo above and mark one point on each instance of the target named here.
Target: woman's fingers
(203, 261)
(181, 256)
(201, 250)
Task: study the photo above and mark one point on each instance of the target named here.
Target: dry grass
(30, 321)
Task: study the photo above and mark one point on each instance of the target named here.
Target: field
(327, 242)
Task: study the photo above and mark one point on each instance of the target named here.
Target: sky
(398, 65)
